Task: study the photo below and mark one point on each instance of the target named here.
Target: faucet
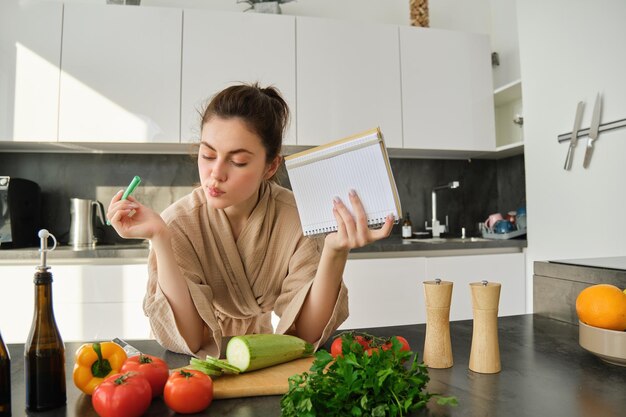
(438, 228)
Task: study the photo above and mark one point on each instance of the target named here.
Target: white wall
(462, 15)
(571, 49)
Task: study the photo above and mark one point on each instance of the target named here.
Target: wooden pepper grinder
(437, 346)
(485, 352)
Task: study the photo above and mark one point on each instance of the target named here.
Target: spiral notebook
(359, 162)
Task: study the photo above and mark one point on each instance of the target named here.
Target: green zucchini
(205, 367)
(256, 351)
(224, 366)
(213, 366)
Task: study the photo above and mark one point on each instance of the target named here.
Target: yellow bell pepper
(96, 361)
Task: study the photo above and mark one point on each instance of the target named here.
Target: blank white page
(357, 163)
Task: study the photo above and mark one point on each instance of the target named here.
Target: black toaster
(20, 212)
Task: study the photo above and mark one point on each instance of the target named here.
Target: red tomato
(188, 391)
(371, 351)
(122, 395)
(335, 348)
(362, 341)
(403, 342)
(154, 369)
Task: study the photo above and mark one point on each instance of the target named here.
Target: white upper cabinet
(509, 109)
(120, 78)
(143, 75)
(504, 41)
(447, 90)
(222, 49)
(30, 52)
(348, 80)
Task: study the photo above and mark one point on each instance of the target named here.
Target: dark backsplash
(486, 186)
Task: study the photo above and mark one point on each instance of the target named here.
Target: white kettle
(82, 222)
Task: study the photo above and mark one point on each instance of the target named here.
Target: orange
(602, 305)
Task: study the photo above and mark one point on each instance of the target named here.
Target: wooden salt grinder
(437, 346)
(485, 352)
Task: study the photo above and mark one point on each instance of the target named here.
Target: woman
(231, 252)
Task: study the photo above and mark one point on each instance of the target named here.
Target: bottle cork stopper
(44, 235)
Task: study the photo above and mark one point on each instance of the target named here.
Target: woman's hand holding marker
(129, 190)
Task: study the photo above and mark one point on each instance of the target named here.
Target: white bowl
(608, 345)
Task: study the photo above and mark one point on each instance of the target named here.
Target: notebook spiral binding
(375, 222)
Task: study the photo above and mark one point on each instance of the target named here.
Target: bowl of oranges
(601, 313)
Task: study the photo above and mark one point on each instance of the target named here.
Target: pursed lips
(215, 192)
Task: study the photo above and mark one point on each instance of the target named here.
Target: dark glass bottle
(44, 352)
(5, 380)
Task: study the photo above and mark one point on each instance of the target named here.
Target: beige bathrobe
(235, 285)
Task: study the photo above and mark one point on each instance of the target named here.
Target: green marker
(131, 187)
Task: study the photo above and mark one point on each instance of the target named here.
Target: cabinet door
(16, 302)
(91, 302)
(30, 54)
(120, 79)
(447, 93)
(505, 42)
(100, 302)
(221, 49)
(348, 80)
(507, 269)
(385, 292)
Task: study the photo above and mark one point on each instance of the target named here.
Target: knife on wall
(574, 139)
(593, 130)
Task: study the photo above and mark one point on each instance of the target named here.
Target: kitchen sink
(436, 240)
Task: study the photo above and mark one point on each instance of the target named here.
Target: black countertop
(544, 373)
(393, 246)
(395, 243)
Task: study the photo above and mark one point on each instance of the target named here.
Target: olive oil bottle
(5, 380)
(44, 352)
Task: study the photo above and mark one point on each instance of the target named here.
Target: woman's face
(231, 163)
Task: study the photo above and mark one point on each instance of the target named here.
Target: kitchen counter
(544, 373)
(130, 253)
(393, 246)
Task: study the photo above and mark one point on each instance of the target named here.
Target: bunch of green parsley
(360, 384)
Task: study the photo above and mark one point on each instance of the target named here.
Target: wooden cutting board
(267, 381)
